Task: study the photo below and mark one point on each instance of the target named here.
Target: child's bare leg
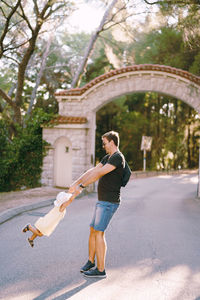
(33, 236)
(35, 231)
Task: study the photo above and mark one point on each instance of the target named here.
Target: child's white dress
(48, 223)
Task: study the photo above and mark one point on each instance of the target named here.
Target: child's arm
(65, 204)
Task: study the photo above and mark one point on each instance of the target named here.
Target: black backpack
(126, 174)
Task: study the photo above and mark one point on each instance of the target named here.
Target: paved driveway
(153, 248)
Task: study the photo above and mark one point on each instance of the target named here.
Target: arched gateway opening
(77, 108)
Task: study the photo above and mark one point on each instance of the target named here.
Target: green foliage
(66, 53)
(131, 128)
(105, 122)
(195, 67)
(22, 155)
(172, 124)
(164, 46)
(99, 66)
(186, 13)
(130, 125)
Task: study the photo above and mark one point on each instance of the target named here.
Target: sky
(86, 18)
(89, 14)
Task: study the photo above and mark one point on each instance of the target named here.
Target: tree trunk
(82, 66)
(21, 73)
(43, 65)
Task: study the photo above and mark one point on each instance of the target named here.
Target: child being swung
(47, 224)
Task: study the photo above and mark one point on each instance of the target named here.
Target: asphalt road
(153, 248)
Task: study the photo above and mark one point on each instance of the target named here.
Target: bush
(22, 155)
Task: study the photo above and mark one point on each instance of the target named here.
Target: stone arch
(138, 78)
(84, 102)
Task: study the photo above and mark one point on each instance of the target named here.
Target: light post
(144, 159)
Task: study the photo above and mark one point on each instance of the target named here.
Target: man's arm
(87, 178)
(92, 175)
(84, 177)
(97, 173)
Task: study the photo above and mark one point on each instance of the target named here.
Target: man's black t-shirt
(109, 185)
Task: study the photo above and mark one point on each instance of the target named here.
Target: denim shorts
(103, 213)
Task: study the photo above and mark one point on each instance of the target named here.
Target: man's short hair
(112, 136)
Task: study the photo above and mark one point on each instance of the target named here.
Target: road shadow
(68, 294)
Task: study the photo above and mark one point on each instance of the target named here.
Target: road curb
(13, 212)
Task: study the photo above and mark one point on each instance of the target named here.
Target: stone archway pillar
(82, 138)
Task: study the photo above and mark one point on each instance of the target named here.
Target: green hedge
(21, 156)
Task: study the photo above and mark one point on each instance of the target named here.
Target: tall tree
(91, 44)
(22, 25)
(187, 14)
(116, 13)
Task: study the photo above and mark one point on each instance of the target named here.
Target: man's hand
(72, 189)
(65, 204)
